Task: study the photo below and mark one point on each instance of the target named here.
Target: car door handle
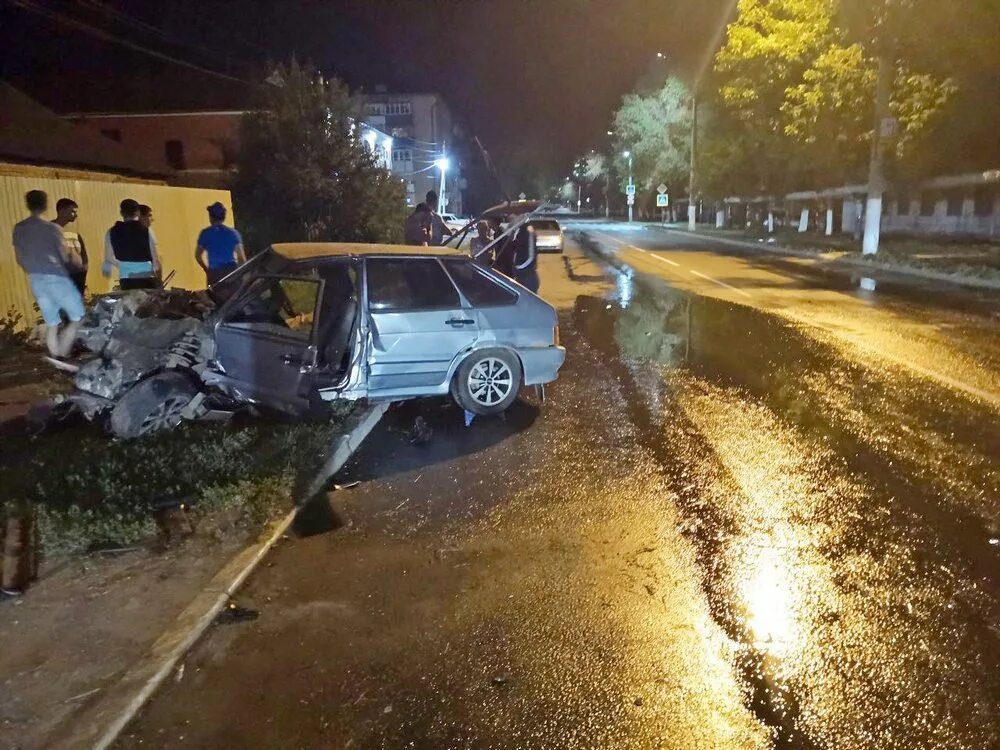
(291, 359)
(460, 322)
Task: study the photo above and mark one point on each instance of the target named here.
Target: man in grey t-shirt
(40, 251)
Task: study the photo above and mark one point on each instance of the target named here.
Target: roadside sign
(662, 200)
(522, 197)
(630, 189)
(661, 188)
(631, 200)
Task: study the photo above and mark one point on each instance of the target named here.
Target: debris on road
(234, 613)
(421, 432)
(501, 679)
(81, 696)
(347, 486)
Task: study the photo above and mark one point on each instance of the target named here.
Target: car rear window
(409, 284)
(478, 288)
(545, 224)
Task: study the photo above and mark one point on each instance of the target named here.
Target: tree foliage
(796, 83)
(303, 172)
(656, 129)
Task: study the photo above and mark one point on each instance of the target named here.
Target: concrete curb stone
(102, 723)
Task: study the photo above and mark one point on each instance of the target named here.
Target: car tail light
(555, 337)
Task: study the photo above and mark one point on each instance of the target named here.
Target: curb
(921, 273)
(140, 682)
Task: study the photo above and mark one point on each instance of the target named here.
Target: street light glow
(627, 154)
(387, 143)
(443, 163)
(370, 138)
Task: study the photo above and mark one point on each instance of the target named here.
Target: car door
(266, 338)
(418, 326)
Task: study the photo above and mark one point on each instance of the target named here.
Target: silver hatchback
(302, 325)
(385, 322)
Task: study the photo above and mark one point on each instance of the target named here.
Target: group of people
(516, 257)
(56, 262)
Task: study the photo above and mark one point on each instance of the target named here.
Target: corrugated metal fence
(178, 215)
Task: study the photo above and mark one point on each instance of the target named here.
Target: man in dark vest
(129, 246)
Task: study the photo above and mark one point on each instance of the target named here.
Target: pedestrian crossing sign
(662, 200)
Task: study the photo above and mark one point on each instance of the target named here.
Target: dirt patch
(84, 623)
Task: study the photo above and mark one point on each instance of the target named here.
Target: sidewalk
(101, 628)
(975, 264)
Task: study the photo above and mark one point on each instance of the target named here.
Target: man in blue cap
(220, 248)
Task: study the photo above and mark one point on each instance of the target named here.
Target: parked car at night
(548, 235)
(302, 325)
(453, 222)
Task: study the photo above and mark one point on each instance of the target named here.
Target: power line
(103, 35)
(138, 23)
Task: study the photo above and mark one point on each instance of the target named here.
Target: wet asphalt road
(744, 517)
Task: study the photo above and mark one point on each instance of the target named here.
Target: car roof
(305, 250)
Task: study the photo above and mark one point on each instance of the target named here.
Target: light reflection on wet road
(722, 530)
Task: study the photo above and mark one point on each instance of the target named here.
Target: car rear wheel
(487, 381)
(152, 405)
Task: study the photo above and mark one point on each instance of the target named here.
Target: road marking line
(720, 283)
(660, 257)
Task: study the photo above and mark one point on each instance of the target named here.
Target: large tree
(305, 173)
(796, 83)
(655, 128)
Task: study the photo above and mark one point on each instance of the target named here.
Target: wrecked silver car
(302, 325)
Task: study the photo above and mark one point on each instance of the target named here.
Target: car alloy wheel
(165, 416)
(490, 381)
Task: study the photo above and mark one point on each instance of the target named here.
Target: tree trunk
(876, 172)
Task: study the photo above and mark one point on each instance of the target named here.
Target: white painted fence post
(804, 220)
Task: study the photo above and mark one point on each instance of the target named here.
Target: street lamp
(443, 163)
(631, 195)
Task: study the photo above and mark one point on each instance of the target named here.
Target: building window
(114, 134)
(174, 151)
(955, 199)
(928, 200)
(402, 154)
(983, 201)
(375, 108)
(398, 108)
(400, 133)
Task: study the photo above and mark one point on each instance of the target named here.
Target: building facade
(425, 137)
(965, 205)
(200, 148)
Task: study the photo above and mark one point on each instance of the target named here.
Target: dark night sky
(536, 81)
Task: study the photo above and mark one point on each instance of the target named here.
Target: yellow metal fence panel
(178, 215)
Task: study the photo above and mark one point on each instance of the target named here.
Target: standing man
(417, 228)
(128, 246)
(219, 249)
(76, 251)
(40, 251)
(438, 228)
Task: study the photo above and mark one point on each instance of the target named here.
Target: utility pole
(631, 195)
(876, 172)
(443, 166)
(692, 208)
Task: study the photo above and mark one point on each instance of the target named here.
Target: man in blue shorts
(40, 250)
(220, 248)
